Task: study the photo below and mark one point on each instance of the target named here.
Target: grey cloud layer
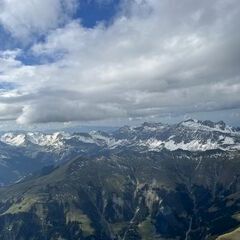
(156, 58)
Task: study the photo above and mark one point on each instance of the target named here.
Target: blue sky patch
(92, 12)
(6, 40)
(29, 59)
(7, 86)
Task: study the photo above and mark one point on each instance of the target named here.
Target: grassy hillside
(167, 195)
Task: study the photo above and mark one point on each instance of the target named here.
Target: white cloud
(26, 18)
(158, 58)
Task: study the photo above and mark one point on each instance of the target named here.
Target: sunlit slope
(167, 195)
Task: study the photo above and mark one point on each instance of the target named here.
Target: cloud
(24, 19)
(157, 58)
(66, 111)
(9, 112)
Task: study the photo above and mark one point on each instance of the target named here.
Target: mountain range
(23, 153)
(151, 182)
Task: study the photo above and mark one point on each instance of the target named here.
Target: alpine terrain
(151, 182)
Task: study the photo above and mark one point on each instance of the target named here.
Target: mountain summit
(23, 153)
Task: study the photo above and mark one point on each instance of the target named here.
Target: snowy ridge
(191, 135)
(195, 145)
(24, 139)
(209, 126)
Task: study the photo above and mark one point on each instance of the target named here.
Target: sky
(115, 62)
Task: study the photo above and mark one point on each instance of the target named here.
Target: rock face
(24, 153)
(127, 195)
(234, 235)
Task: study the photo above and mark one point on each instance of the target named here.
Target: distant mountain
(24, 153)
(178, 195)
(190, 135)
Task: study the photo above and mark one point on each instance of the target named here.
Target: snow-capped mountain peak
(37, 138)
(49, 148)
(208, 126)
(14, 139)
(191, 135)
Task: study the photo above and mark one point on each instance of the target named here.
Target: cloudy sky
(118, 61)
